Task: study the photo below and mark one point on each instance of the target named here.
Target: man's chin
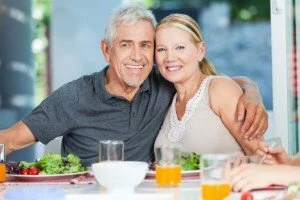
(135, 84)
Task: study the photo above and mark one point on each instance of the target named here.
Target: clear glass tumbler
(167, 169)
(111, 150)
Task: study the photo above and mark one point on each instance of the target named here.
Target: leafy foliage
(55, 164)
(190, 161)
(41, 11)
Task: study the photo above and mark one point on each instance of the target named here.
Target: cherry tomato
(24, 171)
(247, 196)
(33, 171)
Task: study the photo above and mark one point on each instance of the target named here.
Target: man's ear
(105, 50)
(201, 51)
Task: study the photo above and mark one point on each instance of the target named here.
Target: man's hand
(251, 110)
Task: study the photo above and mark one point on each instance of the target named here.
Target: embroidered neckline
(178, 126)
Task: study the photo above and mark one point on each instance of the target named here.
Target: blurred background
(45, 44)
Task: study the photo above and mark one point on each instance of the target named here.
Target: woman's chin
(174, 80)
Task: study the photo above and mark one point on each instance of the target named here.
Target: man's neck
(119, 88)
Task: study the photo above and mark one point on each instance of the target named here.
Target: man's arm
(16, 137)
(251, 109)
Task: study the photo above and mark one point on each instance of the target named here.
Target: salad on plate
(49, 164)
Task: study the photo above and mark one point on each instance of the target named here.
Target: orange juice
(2, 172)
(215, 191)
(168, 175)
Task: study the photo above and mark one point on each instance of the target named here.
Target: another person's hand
(250, 176)
(251, 110)
(275, 155)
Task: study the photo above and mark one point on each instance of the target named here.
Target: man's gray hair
(129, 13)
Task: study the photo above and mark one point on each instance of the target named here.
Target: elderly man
(125, 101)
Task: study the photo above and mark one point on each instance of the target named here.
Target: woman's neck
(187, 89)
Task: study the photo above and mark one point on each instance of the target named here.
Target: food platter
(44, 177)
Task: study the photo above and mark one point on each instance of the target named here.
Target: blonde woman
(202, 115)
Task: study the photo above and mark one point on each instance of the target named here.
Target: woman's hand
(250, 176)
(275, 155)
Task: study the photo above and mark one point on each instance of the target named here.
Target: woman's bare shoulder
(224, 85)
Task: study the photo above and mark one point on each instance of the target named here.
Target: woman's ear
(201, 51)
(105, 50)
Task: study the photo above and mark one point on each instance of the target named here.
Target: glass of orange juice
(2, 163)
(212, 175)
(167, 169)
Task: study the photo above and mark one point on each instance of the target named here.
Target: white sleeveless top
(200, 129)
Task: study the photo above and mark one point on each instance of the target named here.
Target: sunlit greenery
(41, 11)
(241, 10)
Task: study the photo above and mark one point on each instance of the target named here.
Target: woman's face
(176, 55)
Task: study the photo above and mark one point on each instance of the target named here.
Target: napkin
(34, 192)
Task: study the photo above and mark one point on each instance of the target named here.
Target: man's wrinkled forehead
(133, 27)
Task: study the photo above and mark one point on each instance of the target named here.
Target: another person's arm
(251, 109)
(276, 155)
(250, 176)
(16, 137)
(224, 97)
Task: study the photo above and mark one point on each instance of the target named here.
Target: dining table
(88, 188)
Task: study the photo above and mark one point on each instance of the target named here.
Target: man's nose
(136, 54)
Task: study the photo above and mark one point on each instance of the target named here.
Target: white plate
(119, 196)
(45, 177)
(189, 173)
(258, 195)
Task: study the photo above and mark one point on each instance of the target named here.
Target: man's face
(130, 57)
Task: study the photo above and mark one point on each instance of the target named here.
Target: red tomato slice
(33, 171)
(24, 171)
(247, 196)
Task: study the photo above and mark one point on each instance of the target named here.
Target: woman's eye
(180, 47)
(160, 49)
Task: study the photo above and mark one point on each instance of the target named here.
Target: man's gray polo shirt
(83, 112)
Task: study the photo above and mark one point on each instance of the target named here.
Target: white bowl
(120, 176)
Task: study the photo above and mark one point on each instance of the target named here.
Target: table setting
(174, 175)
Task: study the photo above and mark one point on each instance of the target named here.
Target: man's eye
(160, 49)
(180, 47)
(147, 46)
(124, 45)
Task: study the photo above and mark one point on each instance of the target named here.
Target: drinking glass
(271, 142)
(274, 142)
(2, 163)
(167, 169)
(212, 176)
(111, 150)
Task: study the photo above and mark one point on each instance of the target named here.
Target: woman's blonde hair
(188, 24)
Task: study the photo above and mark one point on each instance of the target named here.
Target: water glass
(111, 150)
(271, 142)
(212, 174)
(274, 142)
(167, 169)
(2, 163)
